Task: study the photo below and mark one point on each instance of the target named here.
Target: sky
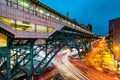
(95, 12)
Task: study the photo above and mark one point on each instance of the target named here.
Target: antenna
(67, 14)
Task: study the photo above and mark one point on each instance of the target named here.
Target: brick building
(114, 30)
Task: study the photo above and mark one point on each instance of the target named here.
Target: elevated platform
(24, 23)
(26, 34)
(32, 34)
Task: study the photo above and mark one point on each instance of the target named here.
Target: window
(20, 2)
(26, 26)
(11, 3)
(37, 10)
(69, 22)
(3, 40)
(57, 18)
(41, 10)
(44, 11)
(24, 3)
(50, 29)
(44, 29)
(31, 6)
(41, 28)
(64, 21)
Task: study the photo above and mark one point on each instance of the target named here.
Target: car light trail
(66, 68)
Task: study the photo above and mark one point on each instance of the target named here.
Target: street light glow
(117, 48)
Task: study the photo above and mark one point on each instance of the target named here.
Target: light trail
(73, 69)
(66, 68)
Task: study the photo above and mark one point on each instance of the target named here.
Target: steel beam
(8, 59)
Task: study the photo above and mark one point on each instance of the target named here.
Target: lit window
(31, 6)
(11, 3)
(3, 40)
(24, 3)
(41, 10)
(57, 18)
(44, 29)
(48, 14)
(69, 23)
(20, 2)
(64, 21)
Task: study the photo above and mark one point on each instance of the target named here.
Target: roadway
(97, 65)
(67, 70)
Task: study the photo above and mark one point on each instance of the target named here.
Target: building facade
(114, 30)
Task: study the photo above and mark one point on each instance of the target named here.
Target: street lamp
(116, 49)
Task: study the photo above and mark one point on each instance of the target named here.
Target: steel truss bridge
(26, 31)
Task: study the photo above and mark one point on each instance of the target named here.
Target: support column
(8, 59)
(46, 46)
(31, 57)
(89, 42)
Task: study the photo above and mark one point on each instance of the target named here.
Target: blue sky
(95, 12)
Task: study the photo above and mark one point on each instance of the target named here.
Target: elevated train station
(28, 27)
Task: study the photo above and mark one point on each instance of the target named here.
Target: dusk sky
(95, 12)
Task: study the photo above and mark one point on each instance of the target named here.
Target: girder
(26, 57)
(53, 52)
(22, 55)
